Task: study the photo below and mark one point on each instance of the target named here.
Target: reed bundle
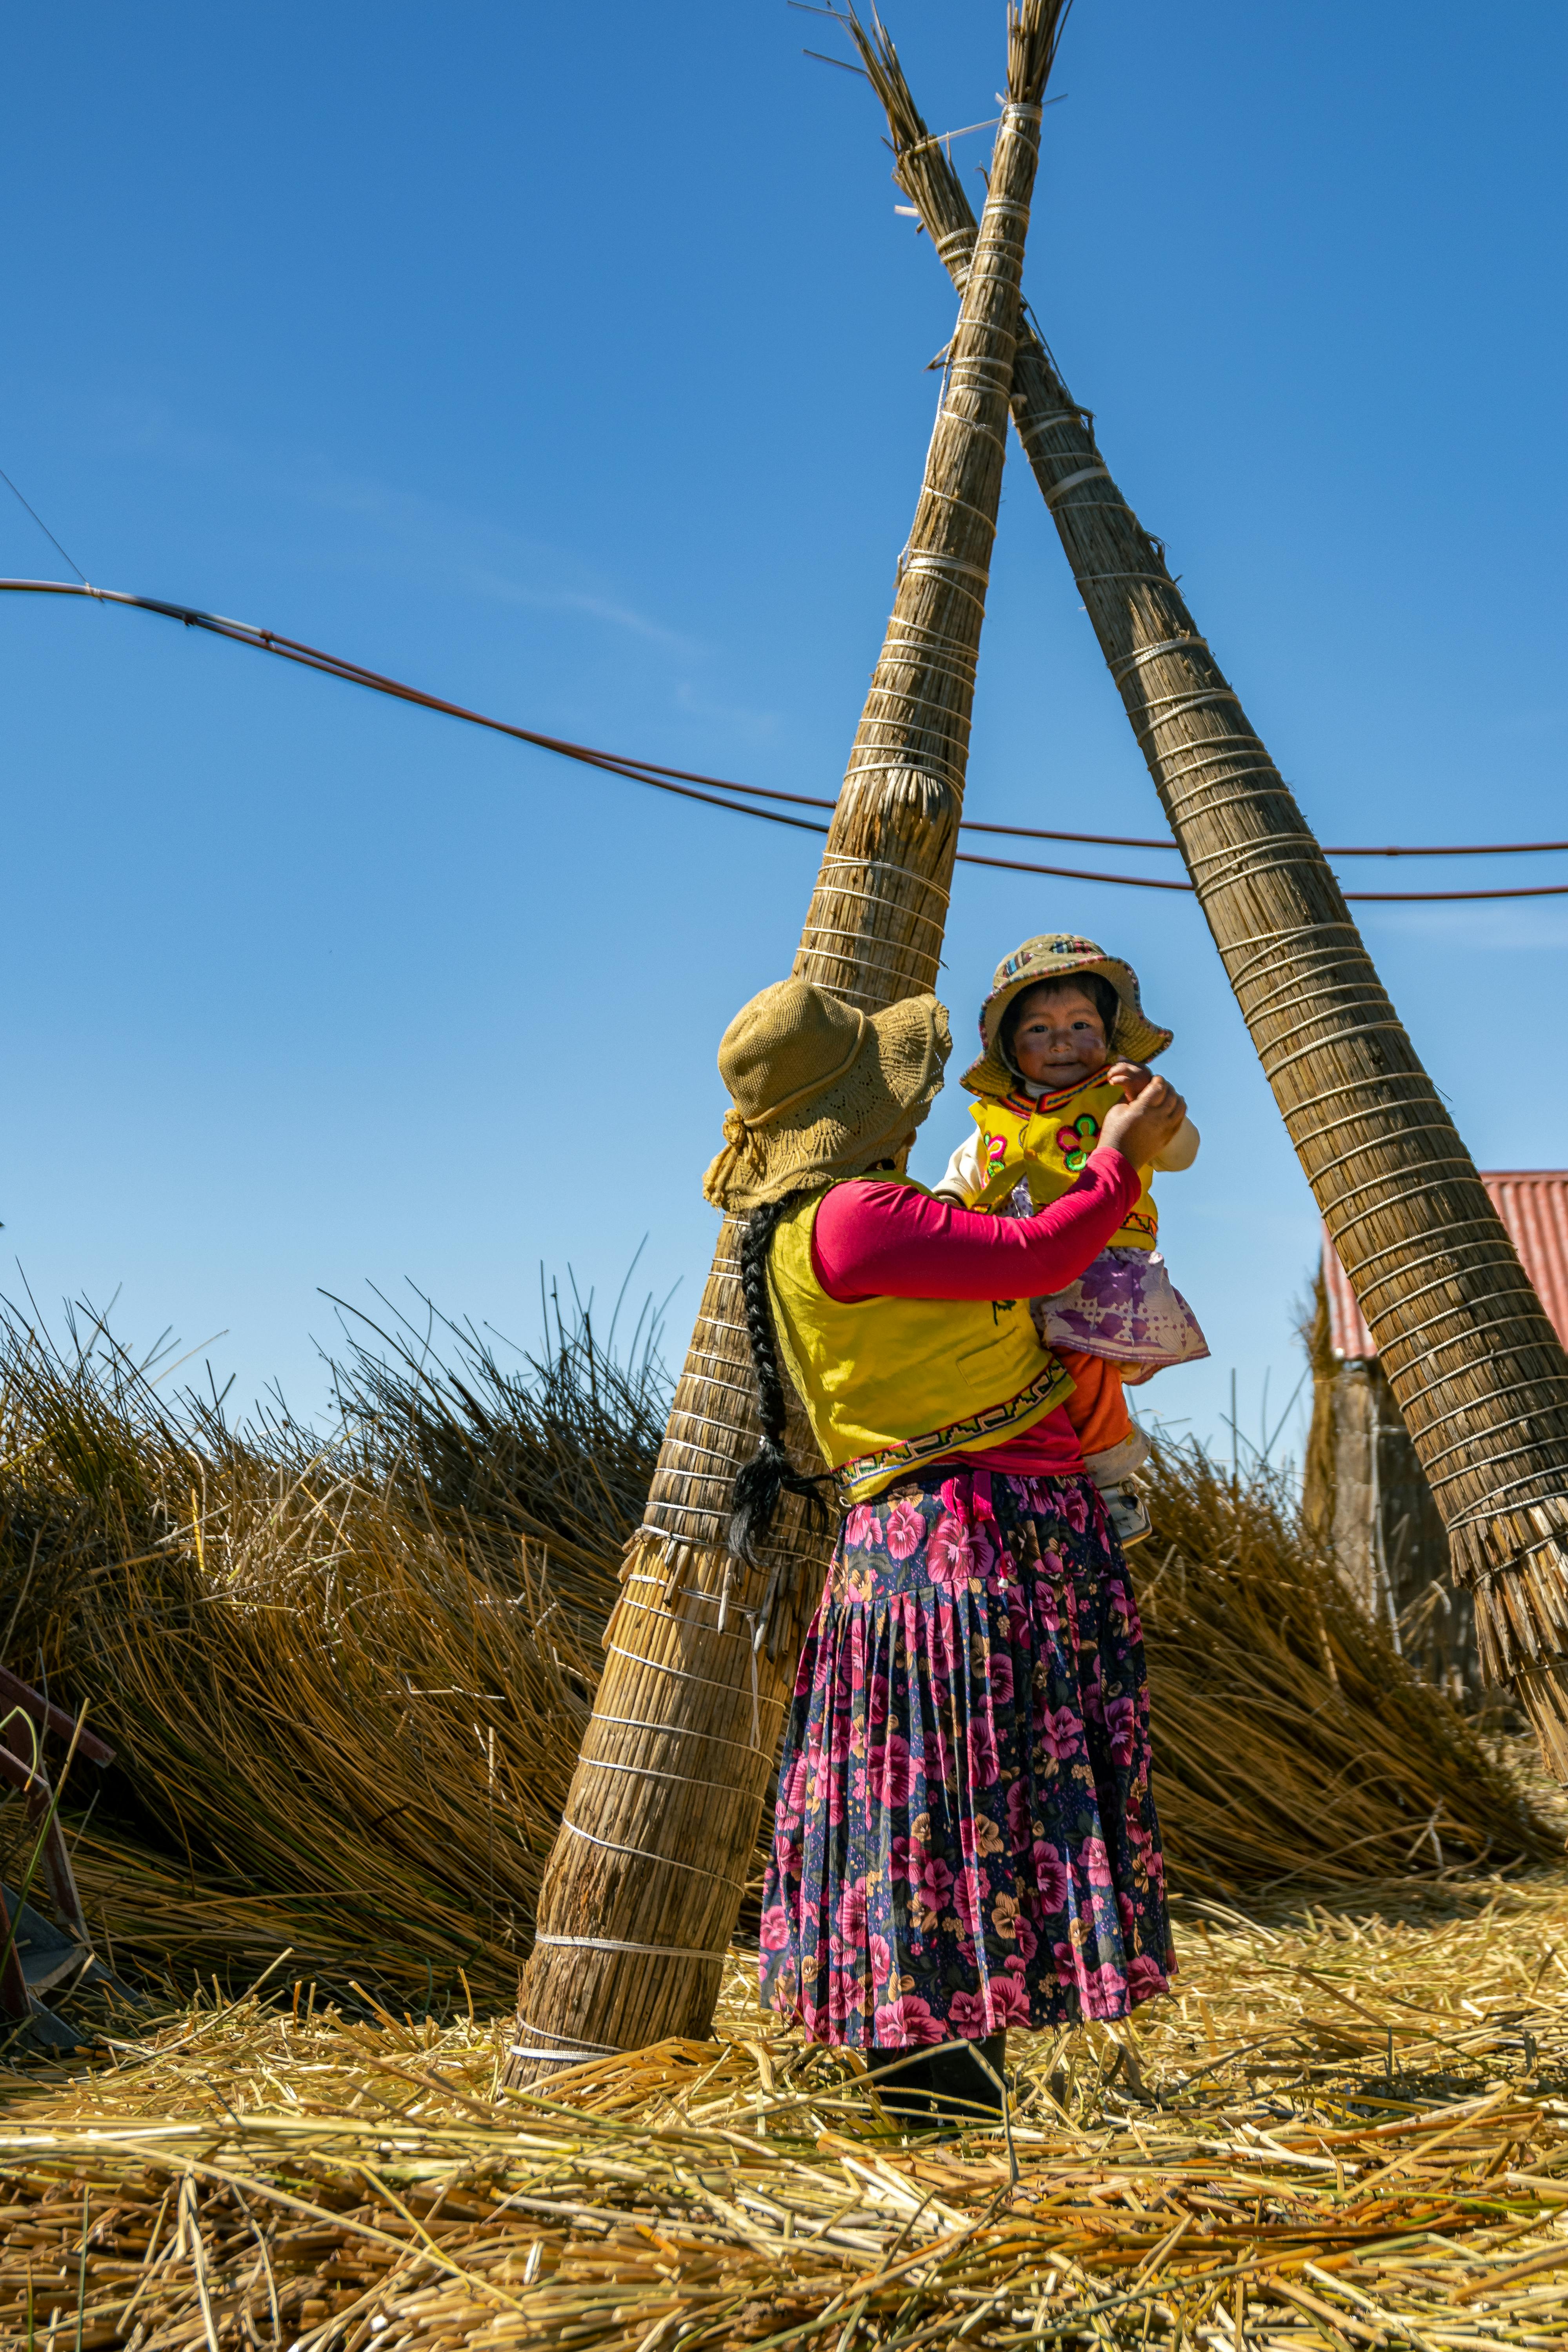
(1341, 2128)
(1475, 1365)
(648, 1874)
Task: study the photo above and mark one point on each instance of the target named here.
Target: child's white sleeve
(965, 1179)
(1181, 1151)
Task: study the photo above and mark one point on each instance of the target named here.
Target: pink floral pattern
(965, 1836)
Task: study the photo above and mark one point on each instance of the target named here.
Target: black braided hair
(761, 1483)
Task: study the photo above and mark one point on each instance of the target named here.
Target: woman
(965, 1836)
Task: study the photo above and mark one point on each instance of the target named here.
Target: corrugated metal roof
(1533, 1205)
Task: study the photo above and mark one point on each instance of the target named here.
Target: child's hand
(1140, 1130)
(1131, 1077)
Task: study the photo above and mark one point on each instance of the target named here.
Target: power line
(1341, 849)
(715, 791)
(43, 526)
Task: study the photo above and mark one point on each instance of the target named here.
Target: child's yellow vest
(890, 1383)
(1050, 1141)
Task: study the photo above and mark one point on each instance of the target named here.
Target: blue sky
(570, 362)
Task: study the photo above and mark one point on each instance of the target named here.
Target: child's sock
(1114, 1463)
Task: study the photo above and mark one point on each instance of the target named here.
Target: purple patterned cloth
(1127, 1309)
(965, 1836)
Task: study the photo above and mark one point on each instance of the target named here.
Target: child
(1058, 1011)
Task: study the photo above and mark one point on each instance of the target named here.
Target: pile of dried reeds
(1292, 1742)
(347, 1678)
(1342, 2130)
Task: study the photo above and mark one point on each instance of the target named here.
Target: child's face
(1059, 1039)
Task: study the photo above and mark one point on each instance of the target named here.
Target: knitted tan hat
(1056, 955)
(819, 1089)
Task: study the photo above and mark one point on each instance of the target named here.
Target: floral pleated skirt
(965, 1836)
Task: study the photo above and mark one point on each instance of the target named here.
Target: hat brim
(860, 1119)
(1135, 1038)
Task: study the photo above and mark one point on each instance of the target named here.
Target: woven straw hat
(1056, 955)
(819, 1089)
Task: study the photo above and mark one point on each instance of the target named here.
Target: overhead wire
(28, 507)
(722, 791)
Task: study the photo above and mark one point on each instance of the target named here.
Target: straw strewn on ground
(1346, 2127)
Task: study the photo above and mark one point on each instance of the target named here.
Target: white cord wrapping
(609, 1944)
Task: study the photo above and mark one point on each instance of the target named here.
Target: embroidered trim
(1046, 1387)
(1041, 1106)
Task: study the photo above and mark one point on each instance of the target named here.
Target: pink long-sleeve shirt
(872, 1240)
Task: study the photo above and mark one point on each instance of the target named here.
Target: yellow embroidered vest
(1049, 1141)
(890, 1383)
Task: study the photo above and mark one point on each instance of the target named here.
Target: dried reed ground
(1347, 2127)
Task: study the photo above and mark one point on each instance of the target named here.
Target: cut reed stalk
(347, 1718)
(647, 1875)
(1475, 1365)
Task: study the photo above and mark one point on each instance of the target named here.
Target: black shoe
(946, 2088)
(906, 2092)
(966, 2082)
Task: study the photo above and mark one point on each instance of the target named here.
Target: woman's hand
(1141, 1128)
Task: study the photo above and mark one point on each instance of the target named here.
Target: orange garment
(1098, 1405)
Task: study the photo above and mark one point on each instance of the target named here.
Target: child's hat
(1056, 955)
(820, 1089)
